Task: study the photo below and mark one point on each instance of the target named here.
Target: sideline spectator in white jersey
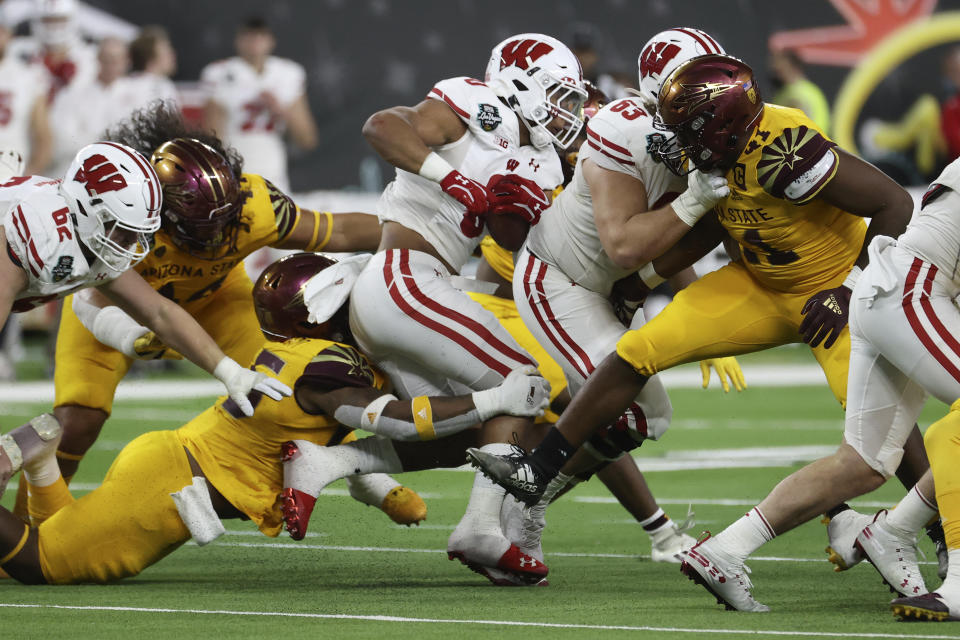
(152, 62)
(82, 112)
(24, 121)
(254, 98)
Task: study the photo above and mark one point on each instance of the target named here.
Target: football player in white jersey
(254, 98)
(619, 211)
(87, 231)
(24, 122)
(406, 313)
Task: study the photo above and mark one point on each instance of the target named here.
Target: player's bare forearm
(300, 124)
(41, 139)
(13, 280)
(701, 240)
(404, 136)
(354, 232)
(175, 327)
(863, 190)
(607, 393)
(683, 279)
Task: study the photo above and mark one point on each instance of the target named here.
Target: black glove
(827, 313)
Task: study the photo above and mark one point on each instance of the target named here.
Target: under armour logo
(526, 561)
(534, 164)
(101, 276)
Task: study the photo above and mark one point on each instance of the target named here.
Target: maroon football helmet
(201, 196)
(711, 104)
(281, 310)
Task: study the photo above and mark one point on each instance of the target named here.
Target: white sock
(371, 488)
(950, 589)
(486, 497)
(914, 511)
(745, 536)
(369, 455)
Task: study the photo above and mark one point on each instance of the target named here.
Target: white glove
(524, 392)
(704, 190)
(240, 382)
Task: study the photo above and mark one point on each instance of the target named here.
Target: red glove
(518, 195)
(471, 194)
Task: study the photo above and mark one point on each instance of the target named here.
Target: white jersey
(567, 237)
(42, 239)
(934, 232)
(21, 86)
(490, 146)
(250, 128)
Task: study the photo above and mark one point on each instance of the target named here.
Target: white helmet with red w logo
(541, 80)
(115, 197)
(666, 51)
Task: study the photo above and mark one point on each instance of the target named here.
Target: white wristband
(435, 168)
(649, 276)
(852, 277)
(116, 329)
(226, 368)
(487, 403)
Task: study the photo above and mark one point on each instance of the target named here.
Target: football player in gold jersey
(795, 209)
(214, 216)
(222, 464)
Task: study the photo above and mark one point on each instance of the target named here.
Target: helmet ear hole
(519, 85)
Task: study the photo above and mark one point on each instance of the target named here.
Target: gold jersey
(500, 259)
(790, 239)
(267, 217)
(241, 455)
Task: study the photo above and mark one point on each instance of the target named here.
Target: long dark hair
(147, 128)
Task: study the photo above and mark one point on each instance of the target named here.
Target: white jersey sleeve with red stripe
(934, 232)
(41, 237)
(567, 237)
(490, 146)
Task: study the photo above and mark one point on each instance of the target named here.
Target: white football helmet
(541, 80)
(666, 51)
(54, 23)
(115, 197)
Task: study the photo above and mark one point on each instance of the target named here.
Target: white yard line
(454, 621)
(686, 377)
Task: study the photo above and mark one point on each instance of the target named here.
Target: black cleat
(514, 472)
(928, 607)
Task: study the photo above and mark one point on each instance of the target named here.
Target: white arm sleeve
(109, 325)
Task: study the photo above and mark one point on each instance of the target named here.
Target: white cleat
(670, 544)
(307, 469)
(727, 581)
(842, 532)
(893, 556)
(491, 555)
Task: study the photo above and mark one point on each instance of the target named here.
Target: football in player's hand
(508, 229)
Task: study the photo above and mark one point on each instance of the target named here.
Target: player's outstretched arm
(337, 232)
(523, 393)
(403, 136)
(178, 329)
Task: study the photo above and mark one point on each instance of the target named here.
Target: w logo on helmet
(100, 176)
(521, 53)
(655, 57)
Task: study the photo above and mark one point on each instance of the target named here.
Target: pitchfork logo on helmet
(711, 105)
(541, 80)
(666, 51)
(115, 197)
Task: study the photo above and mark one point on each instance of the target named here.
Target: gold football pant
(728, 313)
(942, 441)
(126, 524)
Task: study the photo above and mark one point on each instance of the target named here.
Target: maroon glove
(471, 194)
(827, 313)
(517, 195)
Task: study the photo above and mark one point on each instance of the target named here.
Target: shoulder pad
(338, 366)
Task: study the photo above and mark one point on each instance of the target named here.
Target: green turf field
(357, 575)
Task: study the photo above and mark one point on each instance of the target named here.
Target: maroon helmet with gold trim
(281, 310)
(711, 103)
(201, 196)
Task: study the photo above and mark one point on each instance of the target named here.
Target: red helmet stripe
(705, 41)
(148, 173)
